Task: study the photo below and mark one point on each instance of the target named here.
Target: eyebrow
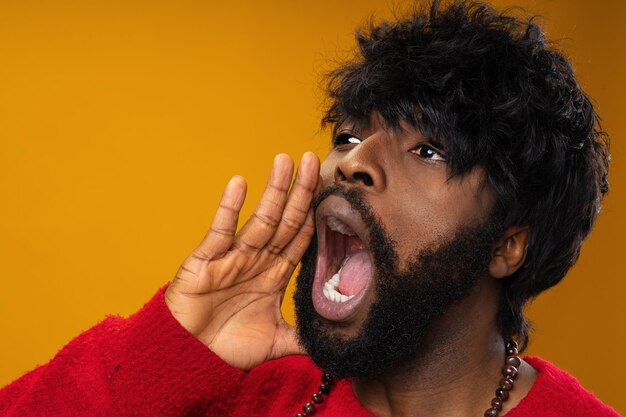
(436, 143)
(432, 138)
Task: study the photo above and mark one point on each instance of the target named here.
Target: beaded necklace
(510, 371)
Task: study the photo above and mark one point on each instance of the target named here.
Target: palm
(228, 291)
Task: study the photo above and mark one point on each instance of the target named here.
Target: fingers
(281, 220)
(298, 203)
(266, 218)
(295, 249)
(220, 236)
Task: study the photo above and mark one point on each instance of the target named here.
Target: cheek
(422, 211)
(427, 217)
(417, 227)
(327, 170)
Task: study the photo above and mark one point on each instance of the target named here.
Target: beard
(405, 302)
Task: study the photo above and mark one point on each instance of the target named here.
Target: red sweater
(148, 365)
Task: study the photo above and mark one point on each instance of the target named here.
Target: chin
(357, 314)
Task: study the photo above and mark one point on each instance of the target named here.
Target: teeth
(336, 296)
(337, 225)
(334, 280)
(331, 293)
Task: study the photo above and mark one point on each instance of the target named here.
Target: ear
(509, 252)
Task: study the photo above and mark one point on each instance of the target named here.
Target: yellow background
(120, 122)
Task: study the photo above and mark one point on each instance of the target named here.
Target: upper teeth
(330, 290)
(337, 225)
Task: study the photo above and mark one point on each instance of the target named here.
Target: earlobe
(509, 252)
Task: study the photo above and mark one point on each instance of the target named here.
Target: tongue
(355, 273)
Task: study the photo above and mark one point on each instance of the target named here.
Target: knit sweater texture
(149, 365)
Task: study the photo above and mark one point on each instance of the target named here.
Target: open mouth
(344, 268)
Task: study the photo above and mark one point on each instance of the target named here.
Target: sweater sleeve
(146, 365)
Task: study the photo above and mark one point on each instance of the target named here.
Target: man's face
(398, 242)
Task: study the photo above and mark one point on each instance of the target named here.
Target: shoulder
(557, 393)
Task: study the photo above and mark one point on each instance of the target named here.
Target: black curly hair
(496, 93)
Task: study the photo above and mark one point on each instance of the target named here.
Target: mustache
(356, 198)
(334, 189)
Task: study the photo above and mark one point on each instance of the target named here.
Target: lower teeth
(331, 293)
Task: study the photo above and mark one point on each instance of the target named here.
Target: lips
(343, 273)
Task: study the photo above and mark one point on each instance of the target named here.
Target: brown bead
(511, 344)
(510, 372)
(502, 394)
(507, 384)
(299, 415)
(511, 351)
(513, 361)
(496, 403)
(309, 409)
(317, 398)
(491, 413)
(324, 389)
(327, 379)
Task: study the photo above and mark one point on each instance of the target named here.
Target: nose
(362, 165)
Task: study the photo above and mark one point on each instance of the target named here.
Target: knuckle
(245, 247)
(266, 219)
(273, 248)
(222, 231)
(274, 203)
(307, 228)
(291, 224)
(202, 256)
(304, 185)
(287, 260)
(228, 208)
(301, 210)
(277, 188)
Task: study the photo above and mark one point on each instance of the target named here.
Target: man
(467, 167)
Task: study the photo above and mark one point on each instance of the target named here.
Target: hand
(229, 290)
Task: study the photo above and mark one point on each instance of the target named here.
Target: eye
(428, 152)
(345, 139)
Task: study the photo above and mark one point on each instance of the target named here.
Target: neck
(443, 383)
(455, 374)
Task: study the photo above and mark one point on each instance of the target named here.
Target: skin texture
(228, 291)
(432, 207)
(401, 305)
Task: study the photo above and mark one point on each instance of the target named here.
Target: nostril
(365, 178)
(340, 175)
(357, 176)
